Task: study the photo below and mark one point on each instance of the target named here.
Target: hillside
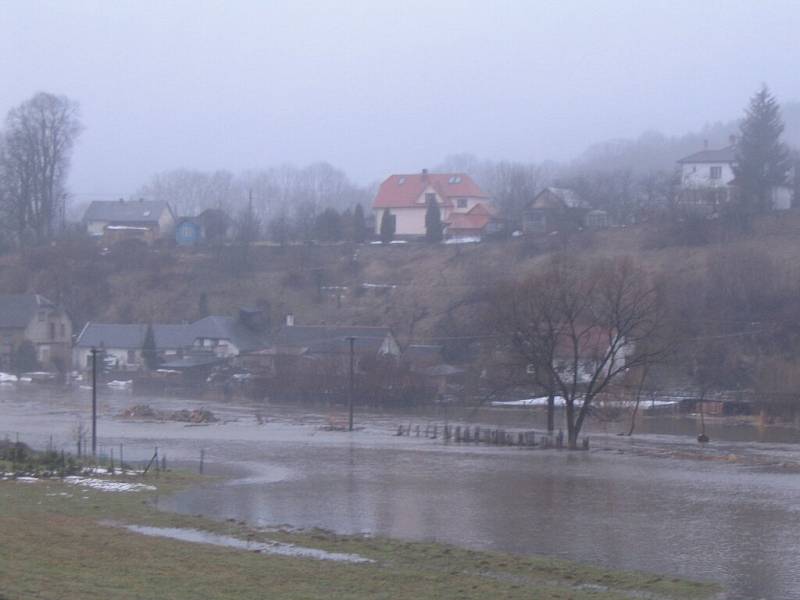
(717, 289)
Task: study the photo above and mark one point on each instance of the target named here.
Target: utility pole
(352, 341)
(94, 401)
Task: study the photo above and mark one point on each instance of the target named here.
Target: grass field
(59, 541)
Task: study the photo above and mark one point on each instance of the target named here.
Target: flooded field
(723, 520)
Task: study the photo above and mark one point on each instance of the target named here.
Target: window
(131, 356)
(430, 197)
(52, 330)
(454, 179)
(42, 316)
(716, 172)
(461, 203)
(401, 181)
(63, 331)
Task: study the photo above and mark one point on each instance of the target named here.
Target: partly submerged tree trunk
(572, 429)
(639, 388)
(551, 409)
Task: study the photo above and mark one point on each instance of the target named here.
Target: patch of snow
(108, 486)
(463, 240)
(197, 536)
(8, 378)
(121, 385)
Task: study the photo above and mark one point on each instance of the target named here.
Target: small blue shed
(188, 233)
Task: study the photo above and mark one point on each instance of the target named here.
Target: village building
(406, 198)
(208, 339)
(555, 209)
(478, 222)
(209, 226)
(118, 220)
(42, 323)
(121, 344)
(708, 181)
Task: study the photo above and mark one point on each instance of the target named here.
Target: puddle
(204, 537)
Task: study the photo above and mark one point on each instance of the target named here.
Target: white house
(708, 180)
(406, 198)
(118, 219)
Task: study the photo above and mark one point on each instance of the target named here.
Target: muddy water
(736, 525)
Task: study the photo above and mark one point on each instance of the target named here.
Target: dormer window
(454, 179)
(401, 181)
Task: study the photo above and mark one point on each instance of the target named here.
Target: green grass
(56, 546)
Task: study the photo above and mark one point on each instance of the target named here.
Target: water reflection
(708, 522)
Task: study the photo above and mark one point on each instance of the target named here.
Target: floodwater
(732, 523)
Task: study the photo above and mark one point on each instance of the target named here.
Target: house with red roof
(465, 208)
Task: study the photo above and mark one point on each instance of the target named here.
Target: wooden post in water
(202, 460)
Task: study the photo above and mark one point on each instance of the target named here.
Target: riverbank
(59, 540)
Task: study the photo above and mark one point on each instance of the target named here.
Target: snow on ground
(106, 485)
(560, 403)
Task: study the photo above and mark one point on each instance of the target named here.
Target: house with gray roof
(148, 220)
(554, 209)
(39, 321)
(216, 336)
(708, 180)
(122, 343)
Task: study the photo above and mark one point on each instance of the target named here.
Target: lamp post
(352, 341)
(94, 402)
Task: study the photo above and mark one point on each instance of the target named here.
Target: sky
(378, 87)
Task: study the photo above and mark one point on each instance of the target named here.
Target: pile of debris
(141, 411)
(197, 415)
(145, 411)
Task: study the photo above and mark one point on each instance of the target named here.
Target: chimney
(732, 139)
(290, 320)
(705, 144)
(424, 174)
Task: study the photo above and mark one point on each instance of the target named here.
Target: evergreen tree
(388, 226)
(149, 351)
(762, 160)
(359, 225)
(433, 221)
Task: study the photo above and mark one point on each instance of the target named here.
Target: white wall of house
(125, 359)
(408, 221)
(411, 220)
(782, 197)
(389, 346)
(166, 223)
(704, 175)
(222, 348)
(96, 228)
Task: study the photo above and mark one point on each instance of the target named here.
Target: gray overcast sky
(378, 87)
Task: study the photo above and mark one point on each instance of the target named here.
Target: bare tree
(38, 141)
(577, 326)
(189, 192)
